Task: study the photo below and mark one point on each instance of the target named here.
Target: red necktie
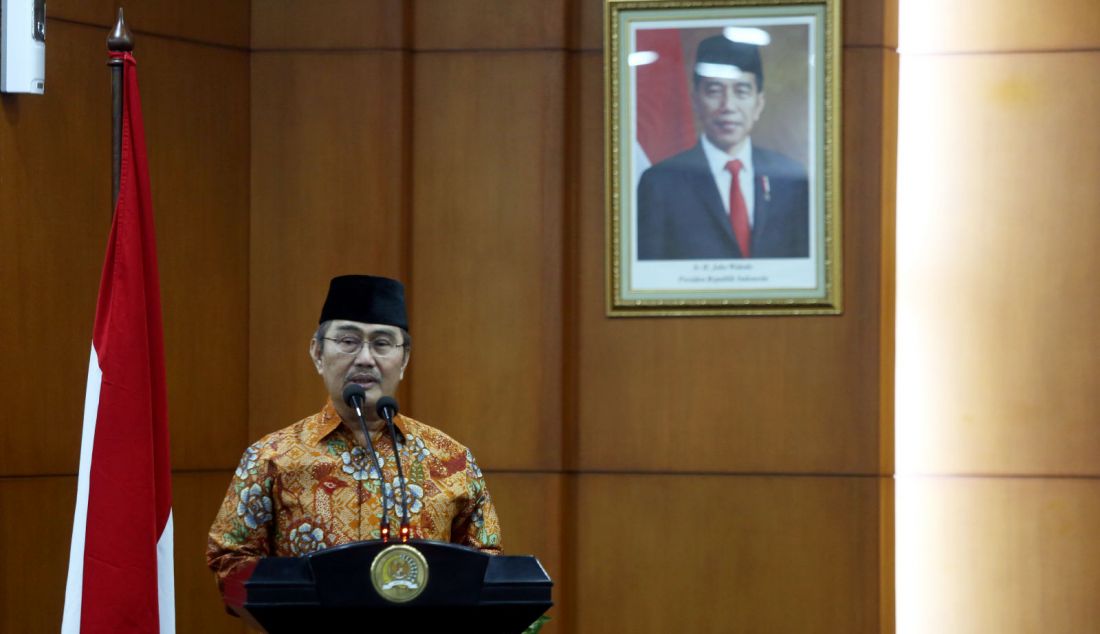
(739, 212)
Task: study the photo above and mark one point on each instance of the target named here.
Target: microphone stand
(387, 414)
(384, 528)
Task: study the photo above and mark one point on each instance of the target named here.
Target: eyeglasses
(380, 347)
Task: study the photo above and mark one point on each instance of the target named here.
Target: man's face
(728, 109)
(379, 376)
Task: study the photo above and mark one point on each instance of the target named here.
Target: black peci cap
(367, 299)
(718, 53)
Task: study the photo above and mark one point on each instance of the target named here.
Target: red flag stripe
(666, 124)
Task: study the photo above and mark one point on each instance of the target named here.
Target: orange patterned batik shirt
(310, 486)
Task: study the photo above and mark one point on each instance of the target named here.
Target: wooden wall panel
(869, 146)
(588, 26)
(870, 23)
(195, 101)
(998, 263)
(488, 24)
(196, 498)
(790, 394)
(727, 554)
(999, 555)
(486, 251)
(529, 506)
(939, 26)
(210, 21)
(34, 551)
(327, 200)
(55, 213)
(327, 24)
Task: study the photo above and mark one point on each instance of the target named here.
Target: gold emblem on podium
(399, 573)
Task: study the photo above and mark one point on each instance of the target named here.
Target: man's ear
(759, 107)
(315, 354)
(404, 364)
(696, 107)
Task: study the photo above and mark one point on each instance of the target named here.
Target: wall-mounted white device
(23, 46)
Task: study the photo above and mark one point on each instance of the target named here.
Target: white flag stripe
(166, 591)
(70, 622)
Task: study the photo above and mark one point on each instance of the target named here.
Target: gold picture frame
(684, 90)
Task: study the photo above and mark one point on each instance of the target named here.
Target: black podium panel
(466, 591)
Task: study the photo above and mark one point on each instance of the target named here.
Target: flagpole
(119, 41)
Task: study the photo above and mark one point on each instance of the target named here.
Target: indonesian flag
(666, 123)
(120, 562)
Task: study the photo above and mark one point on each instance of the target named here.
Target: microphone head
(353, 392)
(386, 407)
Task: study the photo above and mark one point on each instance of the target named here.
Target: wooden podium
(463, 590)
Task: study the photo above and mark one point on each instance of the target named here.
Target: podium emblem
(399, 573)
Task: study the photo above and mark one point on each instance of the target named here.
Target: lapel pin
(767, 188)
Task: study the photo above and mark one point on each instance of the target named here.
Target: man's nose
(728, 97)
(365, 357)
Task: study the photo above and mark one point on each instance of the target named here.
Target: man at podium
(317, 483)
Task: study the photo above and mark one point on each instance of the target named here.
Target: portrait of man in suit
(725, 197)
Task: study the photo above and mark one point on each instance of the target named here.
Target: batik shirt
(310, 486)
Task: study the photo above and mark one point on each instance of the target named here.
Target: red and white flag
(120, 563)
(666, 124)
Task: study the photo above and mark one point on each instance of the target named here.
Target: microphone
(354, 395)
(386, 408)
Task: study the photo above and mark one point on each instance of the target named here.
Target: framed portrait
(723, 157)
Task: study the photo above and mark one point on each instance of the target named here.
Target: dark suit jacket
(681, 216)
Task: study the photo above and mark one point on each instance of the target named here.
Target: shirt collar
(717, 159)
(328, 420)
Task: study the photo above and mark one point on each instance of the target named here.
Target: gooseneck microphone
(354, 396)
(387, 409)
